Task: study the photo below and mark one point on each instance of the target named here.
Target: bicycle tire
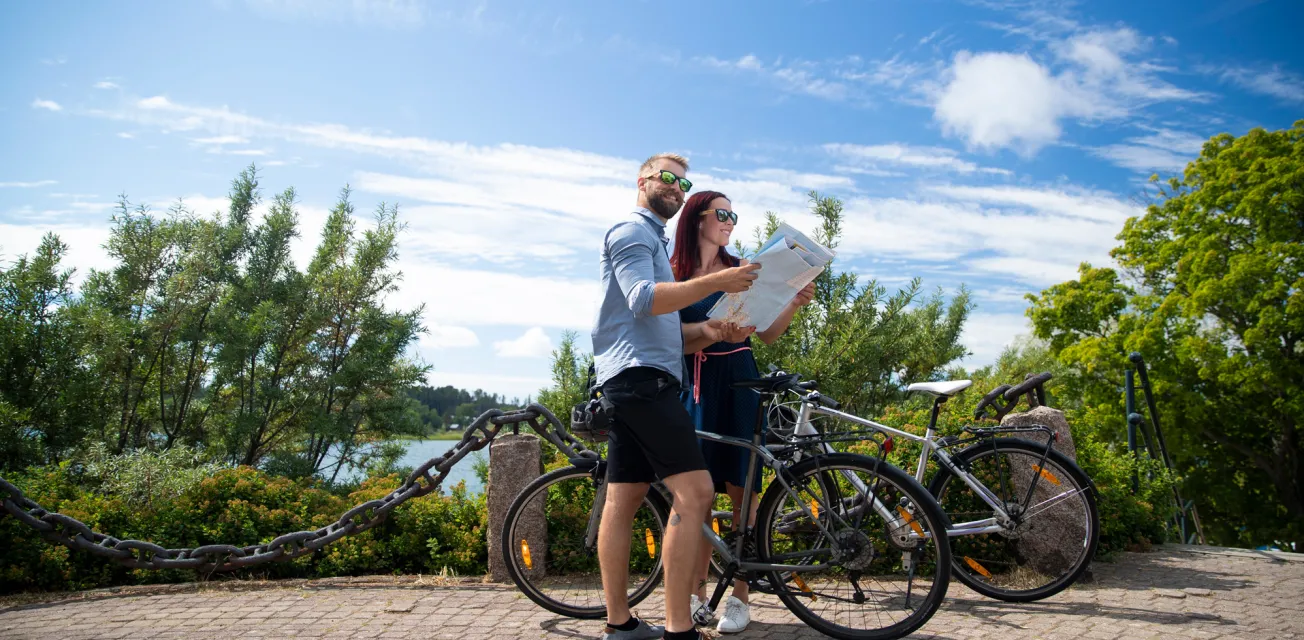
(531, 584)
(926, 513)
(989, 585)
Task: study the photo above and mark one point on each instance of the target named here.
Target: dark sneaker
(643, 631)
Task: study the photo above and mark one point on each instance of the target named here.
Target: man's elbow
(639, 300)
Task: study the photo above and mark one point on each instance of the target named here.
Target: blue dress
(717, 407)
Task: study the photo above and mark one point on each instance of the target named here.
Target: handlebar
(1027, 385)
(812, 386)
(1011, 395)
(778, 381)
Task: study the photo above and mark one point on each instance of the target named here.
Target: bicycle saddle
(941, 389)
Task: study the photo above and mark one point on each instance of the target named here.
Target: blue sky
(993, 143)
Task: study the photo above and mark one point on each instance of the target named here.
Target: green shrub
(1128, 522)
(240, 506)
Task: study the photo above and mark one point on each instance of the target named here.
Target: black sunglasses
(669, 178)
(723, 215)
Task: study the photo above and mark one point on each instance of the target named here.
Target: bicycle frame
(928, 447)
(760, 454)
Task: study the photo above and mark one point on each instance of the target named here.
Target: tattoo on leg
(674, 520)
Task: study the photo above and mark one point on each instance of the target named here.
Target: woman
(705, 226)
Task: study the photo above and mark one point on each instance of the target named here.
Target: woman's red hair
(686, 257)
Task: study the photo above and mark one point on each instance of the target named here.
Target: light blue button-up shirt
(634, 258)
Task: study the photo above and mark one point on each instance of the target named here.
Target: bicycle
(1036, 527)
(848, 573)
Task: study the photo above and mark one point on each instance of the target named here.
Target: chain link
(138, 554)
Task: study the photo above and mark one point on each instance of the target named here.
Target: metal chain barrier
(138, 554)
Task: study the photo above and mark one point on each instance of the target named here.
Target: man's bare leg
(703, 568)
(623, 501)
(693, 495)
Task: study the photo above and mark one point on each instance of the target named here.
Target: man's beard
(665, 206)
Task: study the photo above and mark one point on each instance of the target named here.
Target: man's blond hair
(673, 157)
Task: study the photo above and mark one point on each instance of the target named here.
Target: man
(638, 354)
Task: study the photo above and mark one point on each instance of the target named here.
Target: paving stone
(1174, 592)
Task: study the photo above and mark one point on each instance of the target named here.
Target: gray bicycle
(847, 571)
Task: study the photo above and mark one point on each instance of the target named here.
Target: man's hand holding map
(789, 261)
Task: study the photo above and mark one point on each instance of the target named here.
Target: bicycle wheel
(1052, 535)
(875, 541)
(549, 554)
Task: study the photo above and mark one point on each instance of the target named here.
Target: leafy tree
(1211, 293)
(570, 368)
(205, 333)
(39, 371)
(863, 345)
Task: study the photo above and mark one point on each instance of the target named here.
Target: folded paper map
(789, 261)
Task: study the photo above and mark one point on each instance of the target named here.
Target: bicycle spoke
(865, 589)
(549, 558)
(1046, 535)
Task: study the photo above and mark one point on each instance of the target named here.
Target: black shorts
(652, 436)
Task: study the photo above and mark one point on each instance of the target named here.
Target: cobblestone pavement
(1174, 592)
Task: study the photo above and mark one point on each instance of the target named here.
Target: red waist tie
(698, 359)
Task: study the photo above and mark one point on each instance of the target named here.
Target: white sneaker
(702, 614)
(736, 616)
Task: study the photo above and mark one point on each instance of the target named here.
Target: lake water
(419, 451)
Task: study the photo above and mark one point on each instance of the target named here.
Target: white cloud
(28, 185)
(439, 336)
(1004, 99)
(125, 135)
(799, 179)
(1033, 236)
(1271, 81)
(476, 297)
(794, 77)
(219, 144)
(988, 334)
(85, 244)
(834, 80)
(999, 99)
(1162, 150)
(534, 343)
(749, 62)
(46, 104)
(1098, 207)
(893, 72)
(488, 225)
(219, 140)
(870, 157)
(105, 84)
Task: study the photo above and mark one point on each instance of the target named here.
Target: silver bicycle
(1023, 519)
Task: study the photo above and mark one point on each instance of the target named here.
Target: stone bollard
(1053, 418)
(514, 461)
(1040, 544)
